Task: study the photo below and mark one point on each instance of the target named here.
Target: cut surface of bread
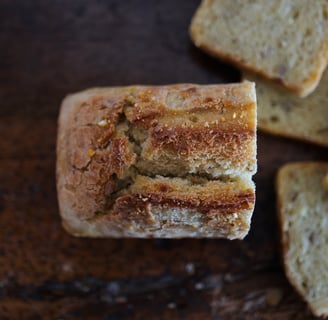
(283, 114)
(283, 40)
(303, 215)
(158, 161)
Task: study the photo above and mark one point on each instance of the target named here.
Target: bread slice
(286, 41)
(303, 215)
(171, 161)
(283, 114)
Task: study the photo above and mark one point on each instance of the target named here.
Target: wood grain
(51, 48)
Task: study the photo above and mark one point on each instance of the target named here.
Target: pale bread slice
(284, 114)
(283, 40)
(303, 217)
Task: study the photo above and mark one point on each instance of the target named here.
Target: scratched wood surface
(51, 48)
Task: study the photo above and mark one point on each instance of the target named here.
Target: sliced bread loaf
(283, 40)
(303, 215)
(284, 114)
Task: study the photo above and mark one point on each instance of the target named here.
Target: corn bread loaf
(166, 161)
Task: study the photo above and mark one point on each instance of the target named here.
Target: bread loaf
(283, 40)
(171, 161)
(303, 215)
(284, 114)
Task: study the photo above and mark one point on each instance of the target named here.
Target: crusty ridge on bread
(170, 161)
(284, 114)
(284, 40)
(303, 215)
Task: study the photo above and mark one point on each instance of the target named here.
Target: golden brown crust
(104, 135)
(193, 140)
(206, 197)
(141, 203)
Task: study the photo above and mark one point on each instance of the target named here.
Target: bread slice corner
(277, 39)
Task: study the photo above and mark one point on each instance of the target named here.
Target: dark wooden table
(51, 48)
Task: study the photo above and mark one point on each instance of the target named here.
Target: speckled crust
(170, 161)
